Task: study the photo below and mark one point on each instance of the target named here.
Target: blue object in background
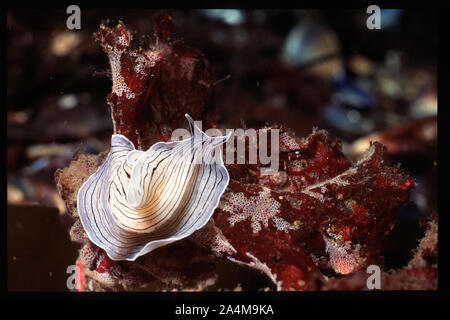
(350, 93)
(232, 17)
(390, 17)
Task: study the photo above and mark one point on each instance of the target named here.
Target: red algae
(154, 86)
(320, 212)
(332, 215)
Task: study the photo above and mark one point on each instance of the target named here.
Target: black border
(283, 302)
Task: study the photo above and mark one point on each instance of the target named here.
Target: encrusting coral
(320, 214)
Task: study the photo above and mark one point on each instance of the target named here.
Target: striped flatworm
(138, 201)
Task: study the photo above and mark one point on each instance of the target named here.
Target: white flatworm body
(138, 201)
